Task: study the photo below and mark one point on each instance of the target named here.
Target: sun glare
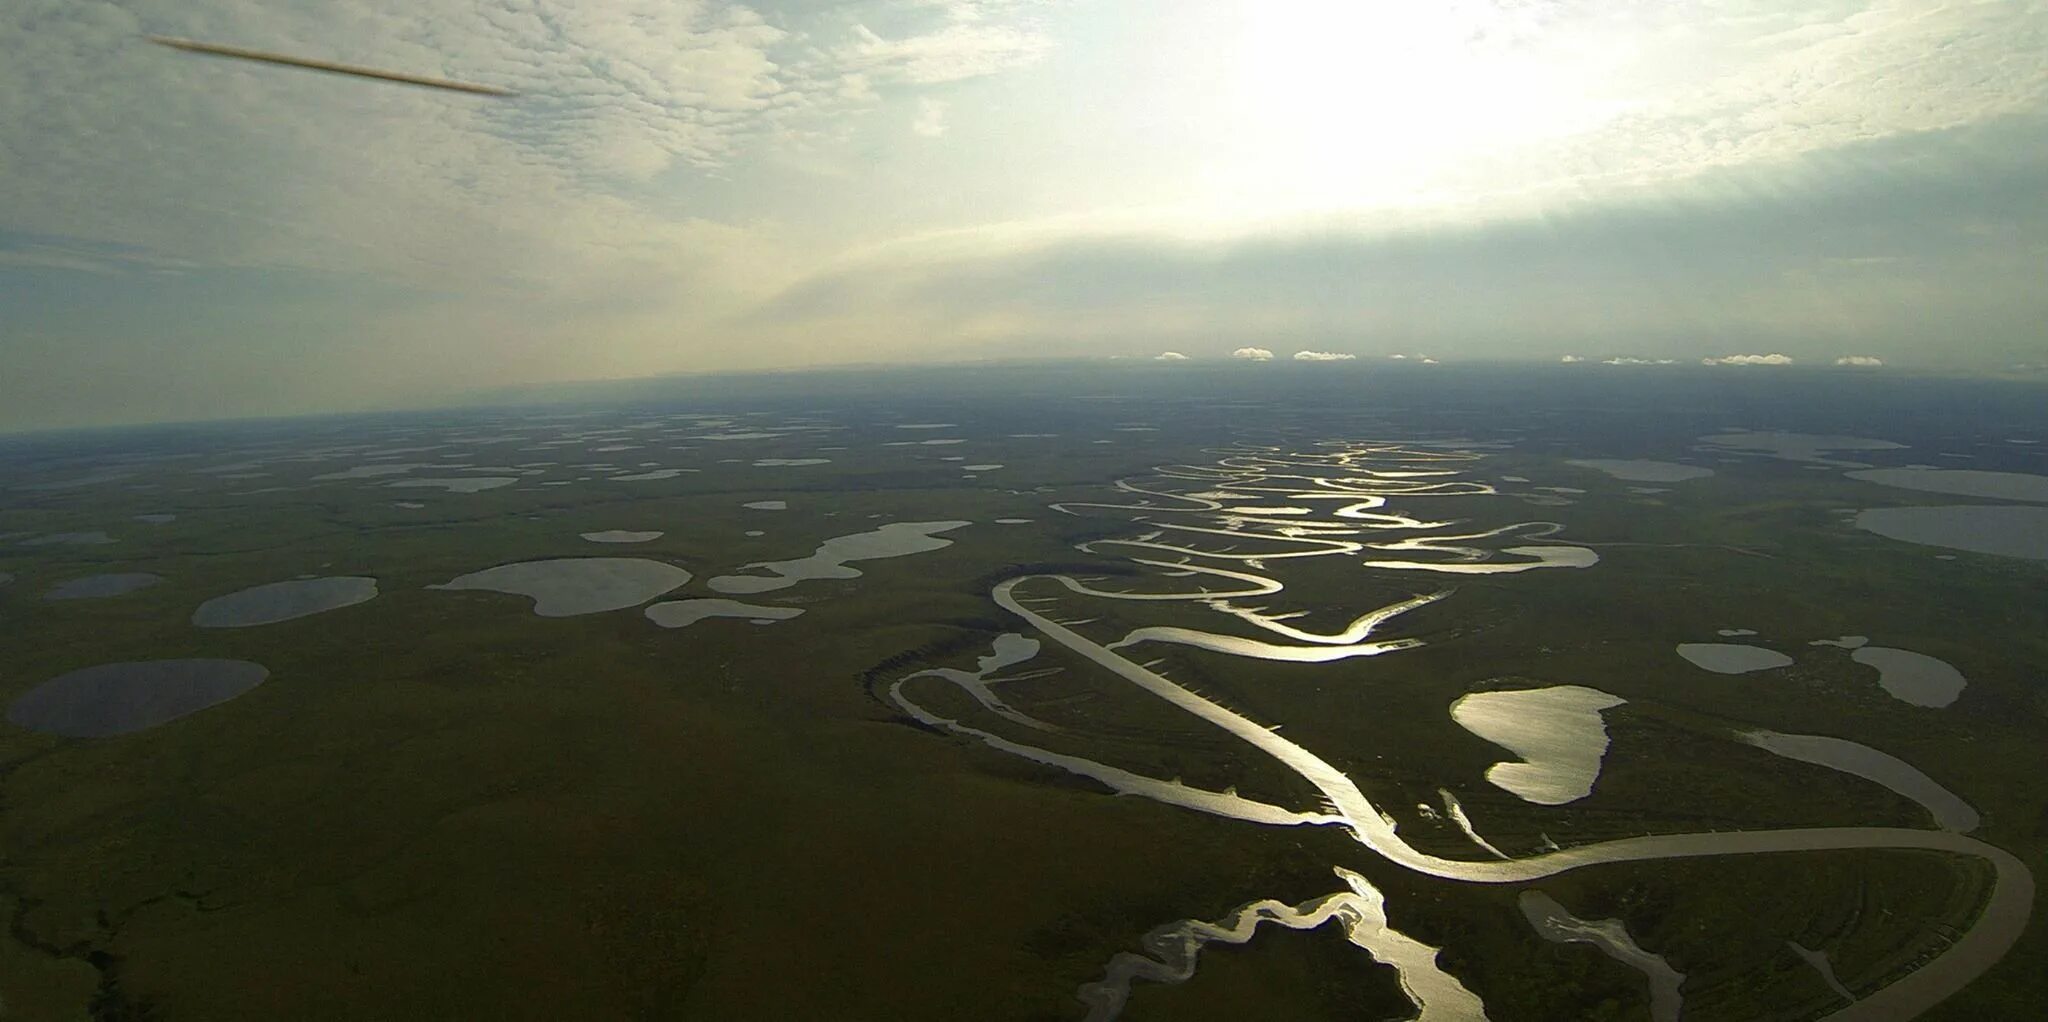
(1337, 106)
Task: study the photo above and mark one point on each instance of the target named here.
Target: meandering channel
(1278, 521)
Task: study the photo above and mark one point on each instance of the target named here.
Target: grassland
(442, 806)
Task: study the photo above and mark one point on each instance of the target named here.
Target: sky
(686, 186)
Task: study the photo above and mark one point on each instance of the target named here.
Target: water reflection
(1360, 910)
(1950, 812)
(1558, 925)
(1217, 537)
(1557, 731)
(833, 558)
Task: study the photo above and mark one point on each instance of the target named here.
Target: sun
(1326, 105)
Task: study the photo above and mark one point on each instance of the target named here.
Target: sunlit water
(1331, 502)
(833, 559)
(1558, 733)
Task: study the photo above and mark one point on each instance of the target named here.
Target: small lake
(684, 613)
(1732, 657)
(1558, 732)
(117, 699)
(896, 539)
(95, 538)
(283, 601)
(1640, 471)
(94, 587)
(458, 484)
(1911, 677)
(1807, 447)
(621, 536)
(377, 471)
(568, 586)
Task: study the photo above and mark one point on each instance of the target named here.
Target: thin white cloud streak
(1253, 354)
(1774, 359)
(1169, 356)
(1322, 356)
(1859, 360)
(956, 52)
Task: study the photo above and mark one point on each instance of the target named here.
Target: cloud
(1397, 355)
(1253, 354)
(1321, 356)
(239, 166)
(1169, 356)
(1569, 359)
(1748, 360)
(966, 48)
(1630, 360)
(1808, 79)
(688, 185)
(931, 118)
(1741, 259)
(1859, 360)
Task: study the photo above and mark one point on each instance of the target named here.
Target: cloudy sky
(692, 185)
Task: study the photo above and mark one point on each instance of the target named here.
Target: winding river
(1265, 502)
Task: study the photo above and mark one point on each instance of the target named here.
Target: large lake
(2009, 531)
(1963, 482)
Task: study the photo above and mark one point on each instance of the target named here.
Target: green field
(441, 805)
